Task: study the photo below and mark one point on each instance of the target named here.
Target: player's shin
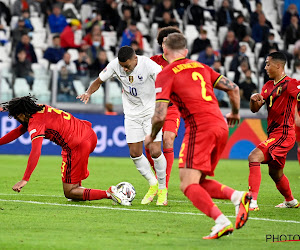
(160, 165)
(144, 168)
(283, 187)
(254, 179)
(169, 155)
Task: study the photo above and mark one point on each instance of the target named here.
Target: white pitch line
(140, 210)
(61, 196)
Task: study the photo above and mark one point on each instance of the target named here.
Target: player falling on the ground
(172, 122)
(189, 84)
(75, 136)
(137, 75)
(281, 96)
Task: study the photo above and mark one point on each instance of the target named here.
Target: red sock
(217, 190)
(298, 155)
(149, 158)
(254, 178)
(169, 155)
(283, 187)
(202, 200)
(94, 194)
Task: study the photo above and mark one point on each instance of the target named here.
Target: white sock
(222, 219)
(236, 197)
(160, 165)
(143, 166)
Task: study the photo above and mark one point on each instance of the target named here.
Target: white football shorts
(136, 129)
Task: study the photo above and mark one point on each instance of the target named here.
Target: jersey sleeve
(294, 89)
(263, 91)
(36, 130)
(108, 72)
(153, 68)
(214, 76)
(34, 156)
(12, 135)
(163, 86)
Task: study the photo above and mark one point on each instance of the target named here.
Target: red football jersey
(58, 126)
(281, 98)
(163, 62)
(189, 84)
(160, 60)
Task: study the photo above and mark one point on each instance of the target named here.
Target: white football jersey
(138, 94)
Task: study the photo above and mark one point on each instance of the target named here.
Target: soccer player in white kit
(137, 75)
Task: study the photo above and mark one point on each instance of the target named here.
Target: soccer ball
(126, 192)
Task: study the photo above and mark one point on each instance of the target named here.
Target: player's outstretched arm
(32, 162)
(12, 135)
(256, 102)
(85, 97)
(233, 93)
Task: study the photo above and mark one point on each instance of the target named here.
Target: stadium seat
(98, 96)
(114, 93)
(21, 87)
(5, 91)
(41, 91)
(191, 34)
(110, 39)
(230, 75)
(37, 23)
(222, 34)
(148, 51)
(78, 86)
(73, 53)
(85, 11)
(227, 62)
(4, 55)
(257, 49)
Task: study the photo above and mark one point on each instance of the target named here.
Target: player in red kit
(76, 137)
(172, 121)
(189, 84)
(280, 96)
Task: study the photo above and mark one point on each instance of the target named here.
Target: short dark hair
(55, 36)
(125, 53)
(22, 105)
(164, 32)
(279, 56)
(176, 41)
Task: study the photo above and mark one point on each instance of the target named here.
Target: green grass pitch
(41, 218)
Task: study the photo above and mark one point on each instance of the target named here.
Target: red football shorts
(202, 149)
(275, 149)
(75, 161)
(297, 131)
(172, 121)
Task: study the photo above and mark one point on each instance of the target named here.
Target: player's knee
(67, 194)
(168, 142)
(183, 186)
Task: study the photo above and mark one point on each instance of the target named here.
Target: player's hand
(18, 186)
(257, 98)
(84, 97)
(148, 141)
(232, 119)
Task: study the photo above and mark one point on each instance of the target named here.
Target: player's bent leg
(283, 186)
(79, 193)
(189, 185)
(254, 180)
(168, 145)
